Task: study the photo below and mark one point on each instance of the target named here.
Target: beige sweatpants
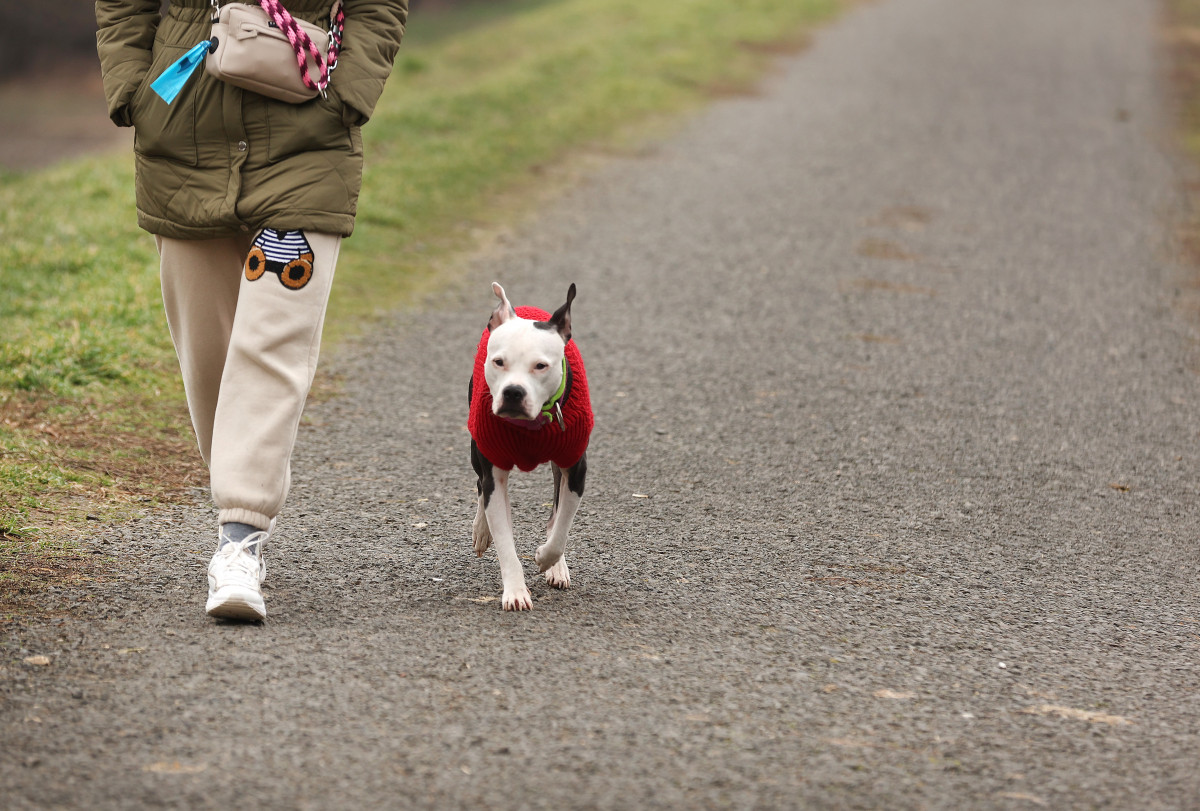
(248, 352)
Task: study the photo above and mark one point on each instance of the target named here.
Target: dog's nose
(513, 394)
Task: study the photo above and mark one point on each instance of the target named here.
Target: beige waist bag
(250, 50)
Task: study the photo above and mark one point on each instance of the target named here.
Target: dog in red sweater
(529, 406)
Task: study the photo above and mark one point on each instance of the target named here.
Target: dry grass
(111, 469)
(29, 570)
(109, 462)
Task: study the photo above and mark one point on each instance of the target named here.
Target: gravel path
(892, 497)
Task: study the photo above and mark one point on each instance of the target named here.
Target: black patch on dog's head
(561, 320)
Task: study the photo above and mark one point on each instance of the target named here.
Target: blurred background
(51, 102)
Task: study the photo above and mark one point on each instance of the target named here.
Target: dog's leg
(481, 536)
(557, 471)
(567, 497)
(493, 522)
(499, 519)
(558, 576)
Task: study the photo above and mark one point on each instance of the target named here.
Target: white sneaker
(235, 576)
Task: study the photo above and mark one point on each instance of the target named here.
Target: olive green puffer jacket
(219, 160)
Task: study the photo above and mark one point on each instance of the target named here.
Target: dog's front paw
(518, 599)
(559, 576)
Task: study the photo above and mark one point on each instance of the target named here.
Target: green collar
(553, 406)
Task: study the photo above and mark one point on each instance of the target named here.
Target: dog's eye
(541, 367)
(498, 362)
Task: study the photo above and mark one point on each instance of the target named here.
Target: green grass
(483, 100)
(1182, 36)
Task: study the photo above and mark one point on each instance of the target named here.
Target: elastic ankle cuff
(244, 516)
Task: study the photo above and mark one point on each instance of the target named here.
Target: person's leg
(269, 368)
(200, 282)
(246, 317)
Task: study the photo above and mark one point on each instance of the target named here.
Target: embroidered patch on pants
(284, 253)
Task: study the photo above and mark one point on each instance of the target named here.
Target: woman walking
(248, 199)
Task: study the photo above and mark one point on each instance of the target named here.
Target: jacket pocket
(308, 127)
(164, 130)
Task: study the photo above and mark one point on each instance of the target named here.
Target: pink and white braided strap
(303, 45)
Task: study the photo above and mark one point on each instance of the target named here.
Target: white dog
(529, 405)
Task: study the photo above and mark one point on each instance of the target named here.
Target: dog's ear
(561, 320)
(504, 311)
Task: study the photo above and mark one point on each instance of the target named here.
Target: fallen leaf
(640, 495)
(1020, 795)
(1090, 716)
(1124, 488)
(910, 218)
(37, 661)
(886, 286)
(899, 694)
(175, 767)
(124, 651)
(874, 248)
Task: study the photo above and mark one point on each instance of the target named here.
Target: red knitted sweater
(506, 444)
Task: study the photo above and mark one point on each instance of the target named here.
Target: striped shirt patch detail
(282, 246)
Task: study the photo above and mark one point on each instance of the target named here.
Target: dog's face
(525, 358)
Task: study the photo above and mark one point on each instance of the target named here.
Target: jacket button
(243, 146)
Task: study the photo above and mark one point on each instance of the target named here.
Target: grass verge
(482, 101)
(1181, 34)
(29, 568)
(1182, 37)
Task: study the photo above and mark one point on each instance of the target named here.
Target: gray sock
(234, 532)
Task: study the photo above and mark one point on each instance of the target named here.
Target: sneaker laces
(244, 558)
